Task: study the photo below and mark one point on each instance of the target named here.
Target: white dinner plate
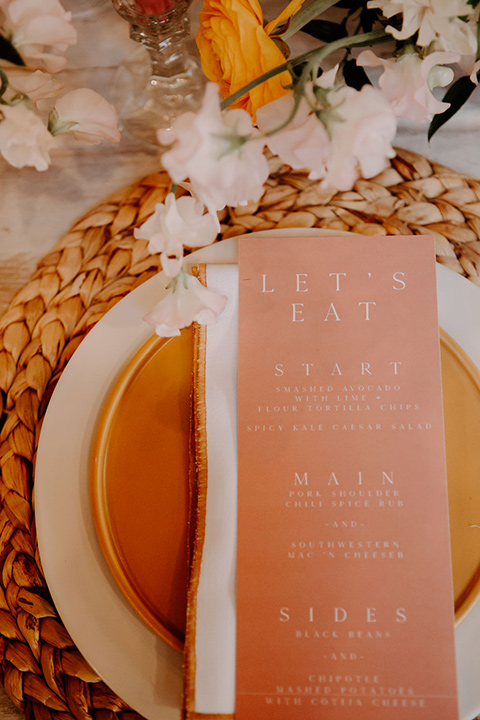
(142, 669)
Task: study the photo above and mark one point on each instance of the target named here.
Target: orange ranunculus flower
(235, 49)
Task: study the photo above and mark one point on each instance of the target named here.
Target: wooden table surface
(36, 208)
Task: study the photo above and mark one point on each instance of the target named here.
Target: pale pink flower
(408, 81)
(438, 22)
(473, 75)
(40, 29)
(175, 224)
(303, 143)
(221, 153)
(353, 136)
(327, 78)
(457, 36)
(87, 114)
(38, 85)
(187, 301)
(362, 127)
(24, 139)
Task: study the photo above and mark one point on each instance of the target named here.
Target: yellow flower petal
(235, 49)
(292, 7)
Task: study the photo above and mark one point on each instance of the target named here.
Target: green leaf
(305, 15)
(351, 4)
(457, 95)
(355, 76)
(8, 52)
(367, 19)
(324, 30)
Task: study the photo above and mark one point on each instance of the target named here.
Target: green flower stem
(297, 98)
(182, 277)
(314, 57)
(304, 15)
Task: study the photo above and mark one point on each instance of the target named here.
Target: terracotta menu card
(344, 589)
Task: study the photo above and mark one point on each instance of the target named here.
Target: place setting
(115, 493)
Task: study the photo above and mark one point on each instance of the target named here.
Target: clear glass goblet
(162, 78)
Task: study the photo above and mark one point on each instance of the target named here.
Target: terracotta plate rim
(101, 518)
(471, 595)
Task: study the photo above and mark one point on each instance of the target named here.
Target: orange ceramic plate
(140, 480)
(140, 483)
(461, 402)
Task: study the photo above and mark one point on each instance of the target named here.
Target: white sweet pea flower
(24, 139)
(408, 81)
(175, 224)
(362, 127)
(303, 143)
(327, 78)
(39, 31)
(221, 153)
(37, 85)
(456, 36)
(473, 74)
(187, 301)
(87, 115)
(351, 135)
(436, 21)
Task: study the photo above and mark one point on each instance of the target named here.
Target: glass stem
(166, 46)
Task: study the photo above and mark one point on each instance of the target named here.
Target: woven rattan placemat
(94, 266)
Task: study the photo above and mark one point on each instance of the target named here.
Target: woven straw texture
(94, 266)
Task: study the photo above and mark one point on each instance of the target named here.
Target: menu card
(344, 585)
